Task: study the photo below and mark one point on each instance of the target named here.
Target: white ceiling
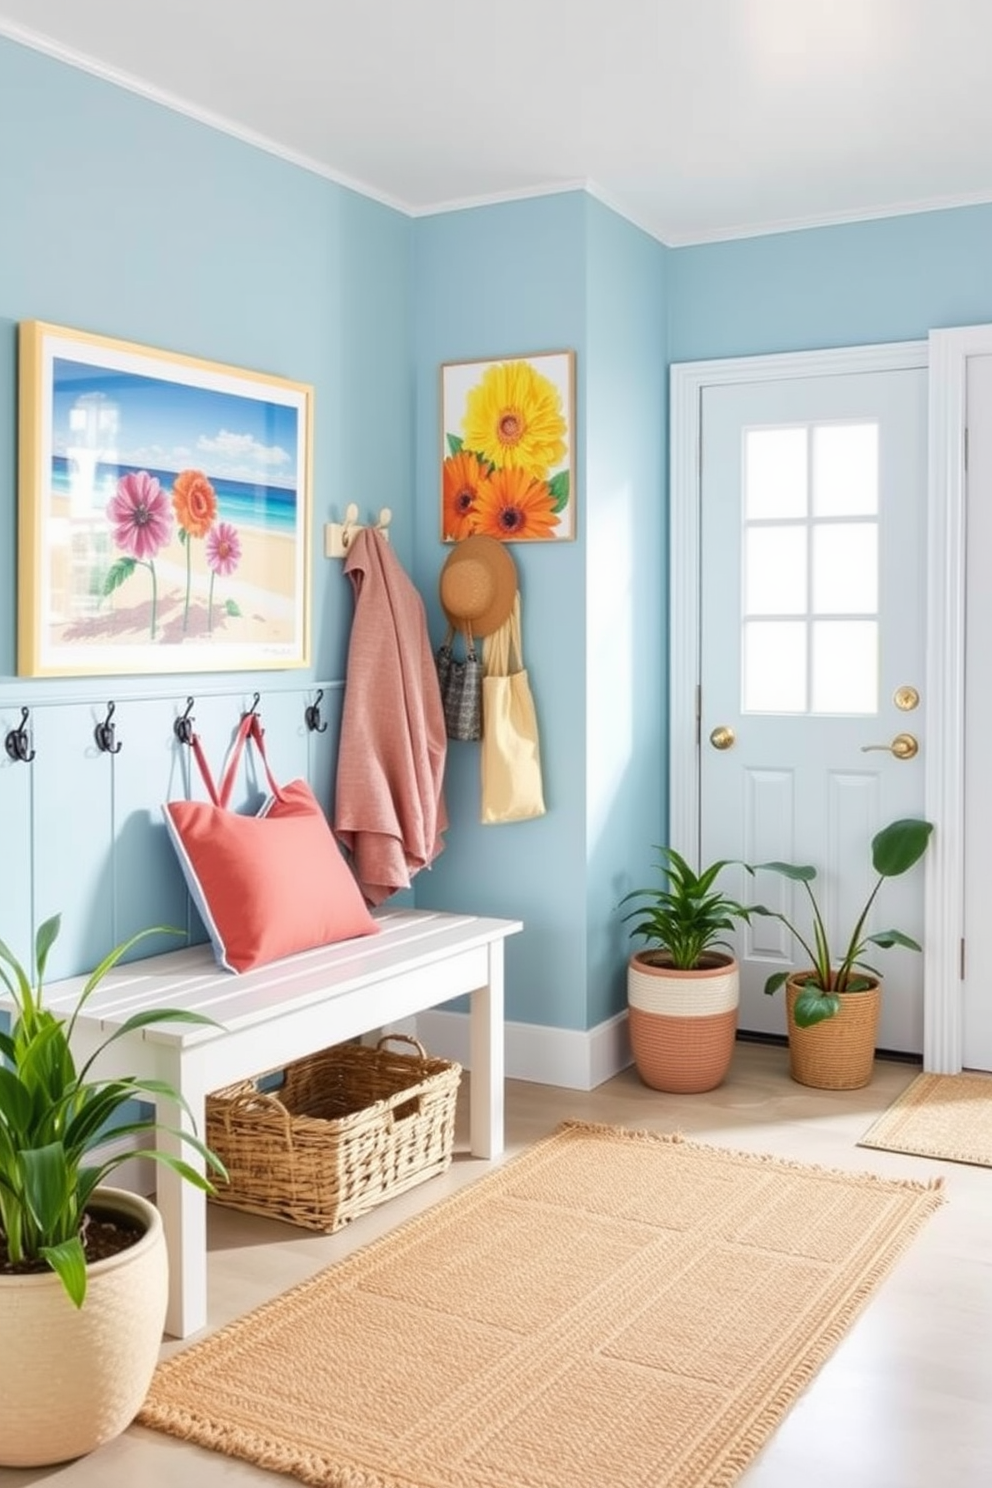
(696, 119)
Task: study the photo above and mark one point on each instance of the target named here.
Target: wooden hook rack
(338, 535)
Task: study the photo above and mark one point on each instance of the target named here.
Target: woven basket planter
(682, 1023)
(839, 1053)
(332, 1135)
(72, 1379)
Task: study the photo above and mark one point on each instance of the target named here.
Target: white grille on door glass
(810, 583)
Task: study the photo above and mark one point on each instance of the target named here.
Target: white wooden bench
(281, 1012)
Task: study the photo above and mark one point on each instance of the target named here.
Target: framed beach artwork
(164, 511)
(507, 448)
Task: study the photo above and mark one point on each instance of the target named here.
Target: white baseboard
(566, 1057)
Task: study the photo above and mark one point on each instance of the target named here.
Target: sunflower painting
(507, 467)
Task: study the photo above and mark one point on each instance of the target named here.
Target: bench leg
(486, 1054)
(184, 1216)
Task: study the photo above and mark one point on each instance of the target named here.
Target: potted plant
(83, 1268)
(683, 987)
(832, 1007)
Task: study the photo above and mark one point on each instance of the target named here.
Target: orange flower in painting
(464, 476)
(516, 506)
(194, 502)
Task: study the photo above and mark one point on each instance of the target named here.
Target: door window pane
(845, 568)
(845, 666)
(775, 666)
(845, 470)
(775, 473)
(775, 570)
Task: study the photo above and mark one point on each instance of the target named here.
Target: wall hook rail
(104, 733)
(338, 535)
(182, 727)
(18, 742)
(312, 715)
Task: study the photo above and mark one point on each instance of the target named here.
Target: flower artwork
(142, 525)
(165, 504)
(507, 468)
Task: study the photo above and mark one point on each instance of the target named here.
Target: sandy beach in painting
(253, 606)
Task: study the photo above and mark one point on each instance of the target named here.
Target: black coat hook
(104, 733)
(254, 706)
(183, 727)
(17, 742)
(312, 715)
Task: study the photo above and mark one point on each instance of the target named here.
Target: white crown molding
(108, 74)
(820, 219)
(498, 198)
(667, 237)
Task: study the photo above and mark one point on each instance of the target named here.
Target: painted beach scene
(175, 531)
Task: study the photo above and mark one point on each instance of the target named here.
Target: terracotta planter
(72, 1379)
(839, 1053)
(682, 1023)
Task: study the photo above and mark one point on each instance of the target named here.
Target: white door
(977, 959)
(812, 629)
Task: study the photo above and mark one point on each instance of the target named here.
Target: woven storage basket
(839, 1053)
(343, 1130)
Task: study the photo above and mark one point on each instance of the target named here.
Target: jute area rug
(945, 1116)
(611, 1309)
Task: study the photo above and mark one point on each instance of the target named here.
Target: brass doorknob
(723, 737)
(903, 746)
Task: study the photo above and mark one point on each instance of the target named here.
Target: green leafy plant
(685, 917)
(53, 1118)
(894, 850)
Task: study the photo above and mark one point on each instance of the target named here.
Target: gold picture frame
(508, 448)
(164, 511)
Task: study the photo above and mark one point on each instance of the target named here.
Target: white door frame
(945, 354)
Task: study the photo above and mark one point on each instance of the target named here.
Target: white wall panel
(148, 884)
(73, 833)
(81, 831)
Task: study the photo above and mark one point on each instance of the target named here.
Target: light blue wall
(125, 218)
(122, 217)
(893, 279)
(493, 282)
(560, 272)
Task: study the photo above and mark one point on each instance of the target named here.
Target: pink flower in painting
(223, 549)
(140, 515)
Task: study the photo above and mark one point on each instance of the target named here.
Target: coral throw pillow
(268, 885)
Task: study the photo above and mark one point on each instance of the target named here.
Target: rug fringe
(745, 1432)
(770, 1417)
(313, 1469)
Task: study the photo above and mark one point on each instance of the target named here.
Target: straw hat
(478, 585)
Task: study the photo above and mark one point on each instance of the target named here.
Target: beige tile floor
(905, 1401)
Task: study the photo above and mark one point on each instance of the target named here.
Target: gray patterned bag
(461, 687)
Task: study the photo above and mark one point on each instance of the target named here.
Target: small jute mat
(945, 1116)
(611, 1309)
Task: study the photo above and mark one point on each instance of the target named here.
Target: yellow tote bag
(510, 754)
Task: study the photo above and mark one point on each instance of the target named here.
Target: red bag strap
(249, 728)
(201, 760)
(257, 735)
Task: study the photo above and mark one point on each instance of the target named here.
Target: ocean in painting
(244, 504)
